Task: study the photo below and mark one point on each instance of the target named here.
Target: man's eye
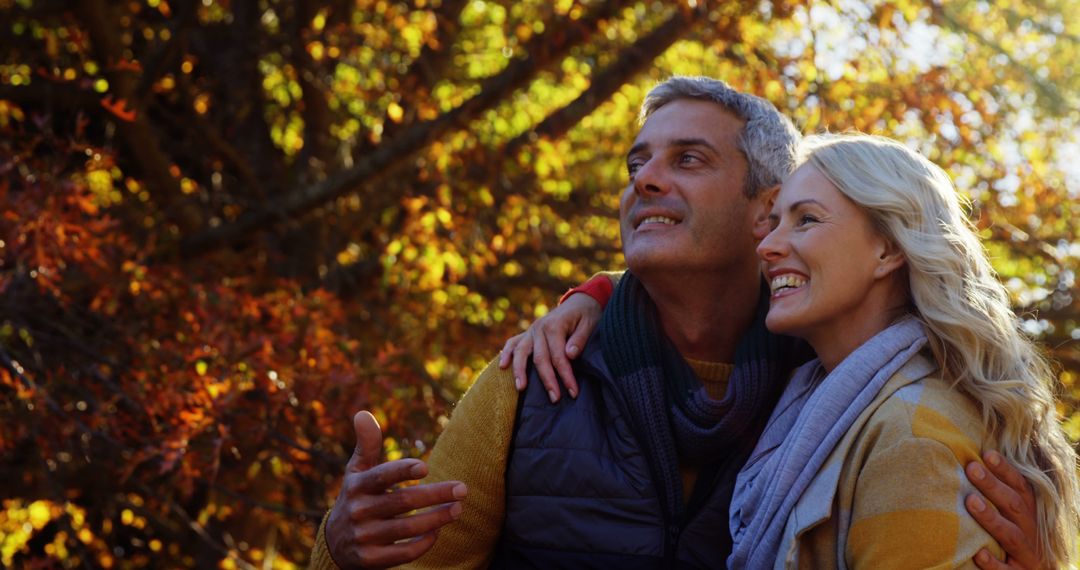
(688, 159)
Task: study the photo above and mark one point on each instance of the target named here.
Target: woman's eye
(807, 219)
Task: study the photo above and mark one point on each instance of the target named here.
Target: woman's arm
(558, 337)
(906, 510)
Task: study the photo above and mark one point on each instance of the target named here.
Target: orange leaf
(128, 65)
(119, 108)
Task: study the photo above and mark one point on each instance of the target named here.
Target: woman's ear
(763, 204)
(890, 259)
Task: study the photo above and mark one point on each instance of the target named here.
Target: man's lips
(656, 219)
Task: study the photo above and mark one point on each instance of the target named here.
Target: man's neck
(706, 319)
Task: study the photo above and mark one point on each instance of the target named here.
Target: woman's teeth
(786, 281)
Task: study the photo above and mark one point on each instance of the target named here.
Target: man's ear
(890, 258)
(762, 205)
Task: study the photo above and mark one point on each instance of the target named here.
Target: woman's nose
(773, 246)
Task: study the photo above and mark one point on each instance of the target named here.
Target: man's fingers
(1003, 496)
(408, 499)
(986, 561)
(1008, 474)
(1007, 534)
(369, 443)
(383, 477)
(1014, 499)
(407, 527)
(392, 555)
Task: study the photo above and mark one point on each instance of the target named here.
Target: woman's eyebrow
(798, 203)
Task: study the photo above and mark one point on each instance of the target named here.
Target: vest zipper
(671, 547)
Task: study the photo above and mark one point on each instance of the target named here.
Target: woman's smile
(830, 272)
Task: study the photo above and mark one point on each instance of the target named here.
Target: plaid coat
(891, 495)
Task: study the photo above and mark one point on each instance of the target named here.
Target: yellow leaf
(395, 112)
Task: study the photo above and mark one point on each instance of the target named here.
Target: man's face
(684, 209)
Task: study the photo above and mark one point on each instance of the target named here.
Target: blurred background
(228, 225)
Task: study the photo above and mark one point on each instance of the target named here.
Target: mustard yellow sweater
(473, 448)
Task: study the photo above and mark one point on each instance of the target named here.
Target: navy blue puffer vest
(580, 493)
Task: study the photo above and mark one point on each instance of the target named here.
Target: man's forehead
(683, 121)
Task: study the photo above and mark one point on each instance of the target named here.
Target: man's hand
(368, 526)
(1012, 524)
(553, 341)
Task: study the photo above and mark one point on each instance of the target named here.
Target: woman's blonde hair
(972, 330)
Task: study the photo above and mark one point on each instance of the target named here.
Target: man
(637, 469)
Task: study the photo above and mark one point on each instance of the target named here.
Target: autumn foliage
(228, 225)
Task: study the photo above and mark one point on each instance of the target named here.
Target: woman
(921, 364)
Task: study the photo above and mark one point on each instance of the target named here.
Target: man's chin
(652, 265)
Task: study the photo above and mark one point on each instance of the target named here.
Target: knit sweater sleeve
(320, 554)
(473, 448)
(599, 286)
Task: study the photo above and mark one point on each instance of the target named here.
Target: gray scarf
(669, 408)
(813, 414)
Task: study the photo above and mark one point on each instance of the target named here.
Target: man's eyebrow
(679, 143)
(641, 146)
(694, 142)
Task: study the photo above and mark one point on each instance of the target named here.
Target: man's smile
(657, 220)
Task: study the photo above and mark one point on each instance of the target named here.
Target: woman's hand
(553, 341)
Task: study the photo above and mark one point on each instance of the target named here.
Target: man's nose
(651, 178)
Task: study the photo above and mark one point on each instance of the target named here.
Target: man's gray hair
(768, 140)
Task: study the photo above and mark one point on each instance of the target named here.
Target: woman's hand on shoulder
(553, 341)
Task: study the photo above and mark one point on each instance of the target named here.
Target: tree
(230, 224)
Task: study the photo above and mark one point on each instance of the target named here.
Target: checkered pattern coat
(891, 494)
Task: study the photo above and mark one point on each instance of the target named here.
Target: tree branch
(164, 57)
(139, 135)
(544, 49)
(229, 57)
(428, 67)
(1055, 101)
(207, 132)
(42, 91)
(604, 84)
(314, 107)
(631, 60)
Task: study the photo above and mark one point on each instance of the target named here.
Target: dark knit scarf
(668, 407)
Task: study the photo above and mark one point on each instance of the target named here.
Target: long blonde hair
(972, 330)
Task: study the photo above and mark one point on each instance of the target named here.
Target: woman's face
(831, 274)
